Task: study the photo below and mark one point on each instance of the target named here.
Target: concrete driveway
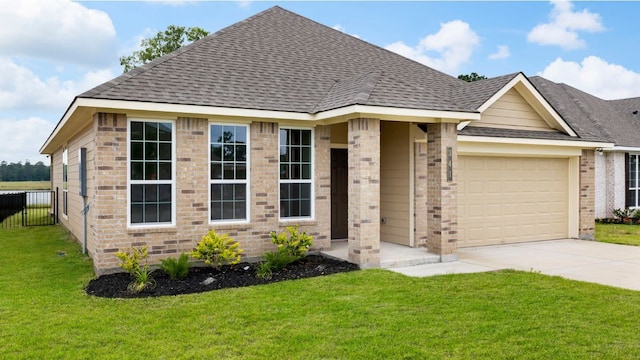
(607, 264)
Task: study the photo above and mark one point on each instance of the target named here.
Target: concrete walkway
(607, 264)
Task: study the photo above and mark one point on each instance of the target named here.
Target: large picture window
(229, 172)
(296, 173)
(633, 190)
(65, 182)
(151, 172)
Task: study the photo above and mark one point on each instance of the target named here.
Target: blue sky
(53, 50)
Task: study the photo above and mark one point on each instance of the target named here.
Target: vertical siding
(394, 182)
(512, 112)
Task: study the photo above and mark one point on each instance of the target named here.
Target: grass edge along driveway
(373, 314)
(618, 234)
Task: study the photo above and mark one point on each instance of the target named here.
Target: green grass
(24, 185)
(372, 314)
(618, 234)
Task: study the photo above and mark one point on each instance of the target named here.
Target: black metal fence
(27, 208)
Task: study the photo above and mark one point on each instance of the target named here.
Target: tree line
(24, 172)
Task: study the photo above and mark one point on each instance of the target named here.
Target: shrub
(289, 250)
(130, 262)
(297, 244)
(177, 269)
(217, 250)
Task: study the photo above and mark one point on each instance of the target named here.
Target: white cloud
(344, 30)
(21, 89)
(21, 139)
(502, 53)
(453, 45)
(58, 30)
(595, 76)
(564, 25)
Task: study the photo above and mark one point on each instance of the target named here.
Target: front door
(339, 194)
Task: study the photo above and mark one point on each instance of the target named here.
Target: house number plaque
(449, 164)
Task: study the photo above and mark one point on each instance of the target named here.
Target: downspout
(85, 210)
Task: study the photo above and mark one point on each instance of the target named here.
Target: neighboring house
(617, 122)
(278, 120)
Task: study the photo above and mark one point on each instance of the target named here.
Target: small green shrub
(177, 269)
(297, 244)
(130, 262)
(289, 249)
(264, 270)
(217, 250)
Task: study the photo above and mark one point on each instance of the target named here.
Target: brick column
(587, 195)
(364, 192)
(420, 196)
(442, 204)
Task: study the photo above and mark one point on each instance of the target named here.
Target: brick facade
(364, 192)
(442, 204)
(587, 195)
(109, 205)
(420, 197)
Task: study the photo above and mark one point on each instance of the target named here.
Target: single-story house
(616, 121)
(279, 120)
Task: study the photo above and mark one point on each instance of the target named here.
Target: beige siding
(512, 111)
(510, 199)
(74, 219)
(395, 145)
(339, 134)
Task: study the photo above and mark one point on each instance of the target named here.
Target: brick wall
(420, 195)
(192, 193)
(364, 190)
(587, 195)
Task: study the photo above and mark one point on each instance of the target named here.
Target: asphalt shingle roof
(592, 117)
(278, 60)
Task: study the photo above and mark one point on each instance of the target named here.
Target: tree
(164, 42)
(471, 77)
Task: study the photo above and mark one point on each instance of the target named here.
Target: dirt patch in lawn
(228, 276)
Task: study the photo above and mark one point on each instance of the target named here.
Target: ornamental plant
(177, 269)
(217, 250)
(289, 249)
(130, 262)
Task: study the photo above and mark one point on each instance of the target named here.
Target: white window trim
(247, 182)
(65, 191)
(636, 190)
(150, 182)
(312, 181)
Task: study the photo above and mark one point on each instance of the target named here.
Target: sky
(53, 50)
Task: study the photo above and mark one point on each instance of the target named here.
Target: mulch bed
(227, 276)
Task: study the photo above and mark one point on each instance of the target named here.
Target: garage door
(507, 200)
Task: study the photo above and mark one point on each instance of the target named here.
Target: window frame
(246, 181)
(171, 182)
(311, 181)
(633, 191)
(65, 182)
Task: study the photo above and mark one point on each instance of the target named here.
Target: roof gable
(517, 105)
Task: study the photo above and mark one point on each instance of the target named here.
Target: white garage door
(507, 200)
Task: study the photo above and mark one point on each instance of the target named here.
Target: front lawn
(372, 314)
(618, 234)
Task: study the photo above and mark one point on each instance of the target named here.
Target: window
(633, 176)
(151, 184)
(65, 183)
(228, 172)
(296, 173)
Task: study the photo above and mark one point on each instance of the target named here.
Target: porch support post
(442, 191)
(364, 192)
(421, 195)
(587, 195)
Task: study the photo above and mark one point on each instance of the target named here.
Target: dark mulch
(228, 276)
